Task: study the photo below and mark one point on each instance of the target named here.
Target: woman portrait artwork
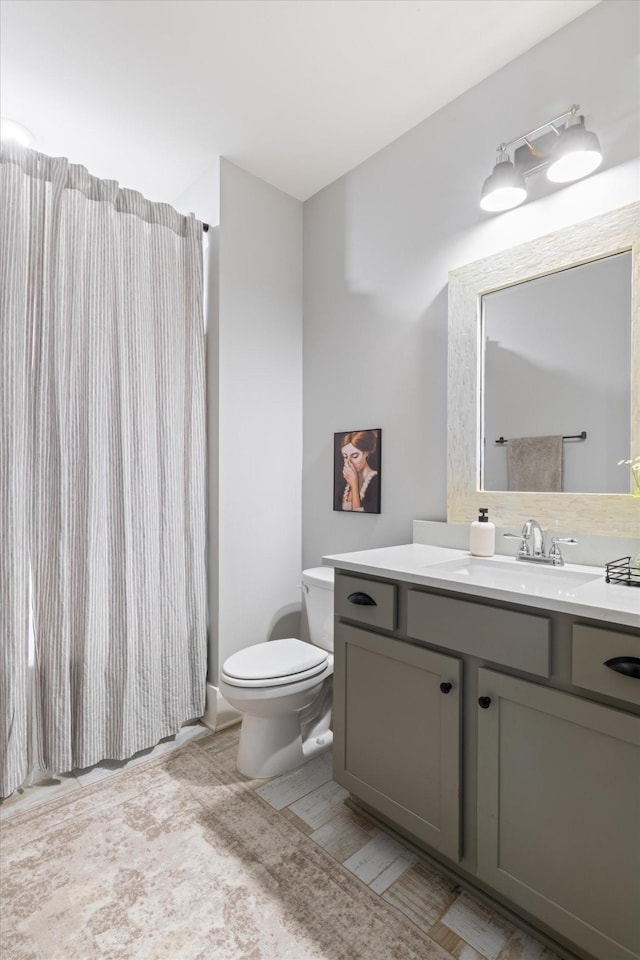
(356, 484)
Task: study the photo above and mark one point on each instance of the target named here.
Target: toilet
(283, 688)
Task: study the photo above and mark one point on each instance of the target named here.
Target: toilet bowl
(283, 688)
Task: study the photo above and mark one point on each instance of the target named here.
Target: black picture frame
(362, 447)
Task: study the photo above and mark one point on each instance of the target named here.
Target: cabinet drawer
(371, 602)
(518, 640)
(592, 648)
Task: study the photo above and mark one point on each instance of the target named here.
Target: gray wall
(379, 242)
(257, 405)
(254, 407)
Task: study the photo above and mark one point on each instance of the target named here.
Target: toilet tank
(317, 590)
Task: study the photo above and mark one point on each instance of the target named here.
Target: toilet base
(270, 746)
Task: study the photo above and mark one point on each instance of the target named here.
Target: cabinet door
(397, 734)
(559, 811)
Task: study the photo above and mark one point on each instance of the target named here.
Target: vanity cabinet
(523, 778)
(559, 811)
(397, 733)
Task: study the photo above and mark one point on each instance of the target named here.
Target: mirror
(592, 245)
(555, 361)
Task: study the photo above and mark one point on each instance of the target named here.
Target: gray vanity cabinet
(538, 804)
(559, 811)
(397, 732)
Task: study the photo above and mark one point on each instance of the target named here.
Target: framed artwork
(356, 471)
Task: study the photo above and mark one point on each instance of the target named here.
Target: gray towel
(535, 464)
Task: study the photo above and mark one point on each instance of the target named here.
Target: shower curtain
(103, 418)
(15, 363)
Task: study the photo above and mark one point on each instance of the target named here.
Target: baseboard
(218, 712)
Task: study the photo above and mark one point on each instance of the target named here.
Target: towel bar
(573, 436)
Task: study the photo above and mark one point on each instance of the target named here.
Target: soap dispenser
(482, 536)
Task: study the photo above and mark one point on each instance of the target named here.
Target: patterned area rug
(177, 860)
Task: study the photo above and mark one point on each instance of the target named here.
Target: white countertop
(417, 563)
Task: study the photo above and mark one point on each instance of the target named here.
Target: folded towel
(535, 464)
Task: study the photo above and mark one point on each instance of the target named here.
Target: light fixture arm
(550, 124)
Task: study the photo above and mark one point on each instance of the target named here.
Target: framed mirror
(521, 318)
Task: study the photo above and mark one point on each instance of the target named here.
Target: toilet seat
(274, 663)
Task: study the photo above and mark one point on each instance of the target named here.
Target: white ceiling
(297, 92)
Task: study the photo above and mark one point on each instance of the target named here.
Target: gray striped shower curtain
(102, 469)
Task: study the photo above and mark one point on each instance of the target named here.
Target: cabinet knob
(446, 687)
(362, 599)
(485, 702)
(627, 666)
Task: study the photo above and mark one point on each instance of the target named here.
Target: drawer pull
(627, 666)
(362, 599)
(485, 702)
(446, 687)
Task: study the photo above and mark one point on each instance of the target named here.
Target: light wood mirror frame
(614, 515)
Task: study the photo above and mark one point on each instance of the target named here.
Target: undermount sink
(514, 575)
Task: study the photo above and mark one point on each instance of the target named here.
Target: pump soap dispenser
(482, 536)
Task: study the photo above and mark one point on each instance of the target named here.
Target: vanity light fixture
(562, 146)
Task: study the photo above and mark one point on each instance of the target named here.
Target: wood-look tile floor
(313, 804)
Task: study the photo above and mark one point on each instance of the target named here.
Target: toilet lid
(275, 662)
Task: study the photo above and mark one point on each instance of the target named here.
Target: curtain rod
(205, 228)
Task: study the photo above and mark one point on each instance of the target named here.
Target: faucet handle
(554, 551)
(524, 549)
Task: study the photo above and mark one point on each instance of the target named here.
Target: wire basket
(621, 571)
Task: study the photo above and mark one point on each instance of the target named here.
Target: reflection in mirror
(556, 362)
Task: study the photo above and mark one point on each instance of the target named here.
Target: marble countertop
(418, 563)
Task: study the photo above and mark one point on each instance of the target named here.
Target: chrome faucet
(531, 546)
